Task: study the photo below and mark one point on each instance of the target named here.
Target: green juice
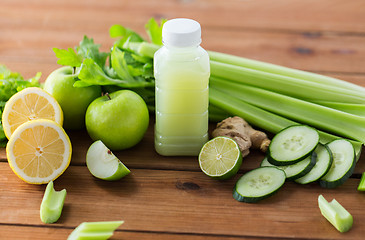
(182, 96)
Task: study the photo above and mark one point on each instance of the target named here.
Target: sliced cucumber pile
(295, 153)
(322, 166)
(296, 170)
(258, 184)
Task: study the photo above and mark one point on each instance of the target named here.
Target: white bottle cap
(181, 32)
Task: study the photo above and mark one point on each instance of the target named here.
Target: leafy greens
(121, 68)
(11, 83)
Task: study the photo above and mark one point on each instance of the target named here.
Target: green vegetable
(282, 71)
(323, 165)
(52, 204)
(94, 230)
(296, 170)
(86, 49)
(328, 119)
(343, 165)
(154, 30)
(337, 215)
(309, 98)
(352, 108)
(258, 184)
(361, 186)
(292, 144)
(290, 86)
(68, 57)
(263, 119)
(11, 83)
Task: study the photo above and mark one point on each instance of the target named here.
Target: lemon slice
(30, 104)
(220, 158)
(39, 151)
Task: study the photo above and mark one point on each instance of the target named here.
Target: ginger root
(245, 136)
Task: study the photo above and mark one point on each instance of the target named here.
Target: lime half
(103, 164)
(220, 158)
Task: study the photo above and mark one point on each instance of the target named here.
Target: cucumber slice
(258, 184)
(295, 170)
(292, 144)
(343, 165)
(323, 165)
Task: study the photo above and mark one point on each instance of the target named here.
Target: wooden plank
(310, 15)
(47, 232)
(311, 52)
(181, 202)
(144, 156)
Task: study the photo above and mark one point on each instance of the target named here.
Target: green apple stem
(108, 96)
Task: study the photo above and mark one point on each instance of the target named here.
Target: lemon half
(30, 104)
(39, 151)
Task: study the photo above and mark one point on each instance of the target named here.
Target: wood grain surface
(169, 197)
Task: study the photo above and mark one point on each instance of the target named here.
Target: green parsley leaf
(88, 49)
(68, 57)
(154, 30)
(11, 83)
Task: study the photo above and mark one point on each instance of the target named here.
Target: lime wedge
(220, 158)
(103, 164)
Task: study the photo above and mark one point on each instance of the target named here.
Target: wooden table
(169, 197)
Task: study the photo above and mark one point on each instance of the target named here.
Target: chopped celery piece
(94, 230)
(361, 186)
(52, 204)
(321, 117)
(337, 215)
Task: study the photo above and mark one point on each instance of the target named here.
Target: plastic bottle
(182, 72)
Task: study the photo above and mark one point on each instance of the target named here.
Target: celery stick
(361, 186)
(142, 48)
(286, 85)
(352, 108)
(337, 215)
(281, 70)
(216, 114)
(52, 204)
(94, 230)
(327, 119)
(263, 119)
(148, 49)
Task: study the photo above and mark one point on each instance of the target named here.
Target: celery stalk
(286, 85)
(52, 204)
(216, 114)
(337, 215)
(263, 119)
(292, 82)
(361, 186)
(352, 108)
(281, 70)
(327, 119)
(94, 230)
(148, 49)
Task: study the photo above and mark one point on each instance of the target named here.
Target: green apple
(119, 120)
(73, 101)
(103, 164)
